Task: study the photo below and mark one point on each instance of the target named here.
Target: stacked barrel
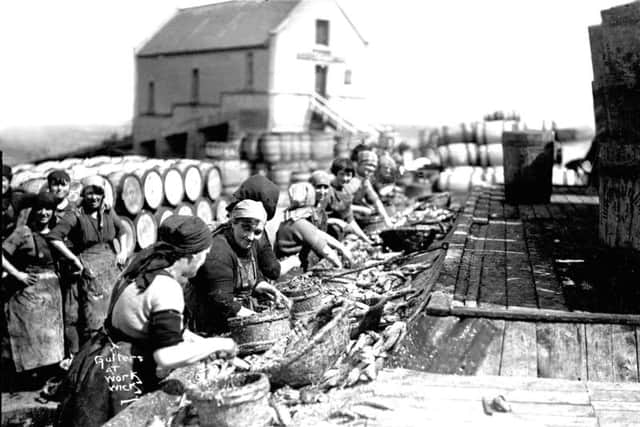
(145, 191)
(283, 157)
(471, 153)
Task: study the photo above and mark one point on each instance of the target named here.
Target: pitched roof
(219, 26)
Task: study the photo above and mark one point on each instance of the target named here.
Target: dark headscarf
(260, 189)
(178, 236)
(6, 172)
(58, 175)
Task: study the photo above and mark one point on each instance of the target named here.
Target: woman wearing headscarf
(297, 234)
(365, 199)
(92, 229)
(230, 277)
(143, 336)
(33, 311)
(262, 190)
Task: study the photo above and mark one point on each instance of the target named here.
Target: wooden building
(214, 72)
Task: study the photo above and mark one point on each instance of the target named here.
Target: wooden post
(615, 51)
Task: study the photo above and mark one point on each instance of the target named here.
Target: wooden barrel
(286, 147)
(192, 178)
(75, 189)
(458, 179)
(184, 208)
(130, 233)
(304, 141)
(460, 153)
(110, 196)
(34, 185)
(162, 213)
(249, 148)
(146, 228)
(44, 167)
(220, 213)
(281, 176)
(128, 197)
(222, 150)
(299, 176)
(172, 184)
(95, 161)
(152, 187)
(460, 132)
(204, 210)
(494, 154)
(528, 165)
(322, 146)
(233, 173)
(212, 180)
(269, 145)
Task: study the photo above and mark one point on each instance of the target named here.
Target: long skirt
(104, 378)
(94, 288)
(34, 323)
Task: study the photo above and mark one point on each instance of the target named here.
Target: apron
(110, 372)
(95, 286)
(34, 318)
(248, 277)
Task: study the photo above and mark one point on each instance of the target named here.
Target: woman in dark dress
(93, 229)
(230, 276)
(143, 337)
(34, 327)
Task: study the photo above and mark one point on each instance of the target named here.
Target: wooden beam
(535, 315)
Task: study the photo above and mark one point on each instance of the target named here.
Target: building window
(195, 86)
(322, 32)
(151, 98)
(347, 77)
(249, 70)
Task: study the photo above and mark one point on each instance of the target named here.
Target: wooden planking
(519, 277)
(625, 353)
(561, 351)
(599, 352)
(493, 356)
(519, 352)
(493, 289)
(532, 314)
(477, 262)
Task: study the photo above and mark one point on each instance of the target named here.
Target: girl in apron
(92, 229)
(32, 297)
(143, 337)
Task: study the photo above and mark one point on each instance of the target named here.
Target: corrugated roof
(219, 26)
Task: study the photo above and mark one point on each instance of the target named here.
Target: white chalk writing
(119, 373)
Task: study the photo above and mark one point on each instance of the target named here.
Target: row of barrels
(144, 191)
(274, 147)
(461, 179)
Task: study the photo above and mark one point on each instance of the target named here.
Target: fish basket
(257, 333)
(236, 400)
(304, 294)
(308, 361)
(407, 239)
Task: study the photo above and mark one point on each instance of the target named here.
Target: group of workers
(73, 294)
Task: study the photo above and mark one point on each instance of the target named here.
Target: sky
(71, 62)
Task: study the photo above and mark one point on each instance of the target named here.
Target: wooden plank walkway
(408, 398)
(527, 290)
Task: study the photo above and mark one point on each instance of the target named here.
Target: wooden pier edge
(437, 308)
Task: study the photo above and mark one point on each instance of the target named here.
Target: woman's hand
(348, 257)
(121, 258)
(273, 293)
(245, 312)
(78, 264)
(333, 257)
(224, 348)
(26, 278)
